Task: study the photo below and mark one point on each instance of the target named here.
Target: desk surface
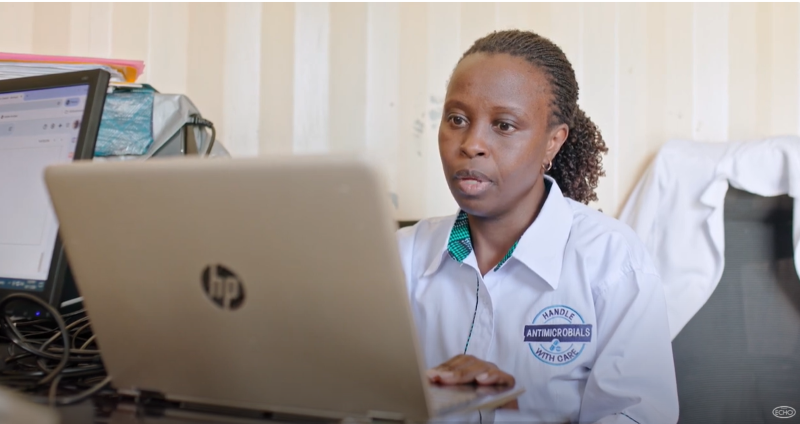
(129, 413)
(105, 410)
(112, 409)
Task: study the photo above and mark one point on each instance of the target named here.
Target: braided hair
(579, 164)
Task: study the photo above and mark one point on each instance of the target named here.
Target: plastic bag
(126, 127)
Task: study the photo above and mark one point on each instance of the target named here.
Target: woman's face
(494, 136)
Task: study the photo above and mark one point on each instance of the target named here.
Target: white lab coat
(677, 210)
(576, 315)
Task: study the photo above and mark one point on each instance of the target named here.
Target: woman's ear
(558, 135)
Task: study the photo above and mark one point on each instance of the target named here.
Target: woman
(526, 282)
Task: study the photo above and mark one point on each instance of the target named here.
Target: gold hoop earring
(547, 167)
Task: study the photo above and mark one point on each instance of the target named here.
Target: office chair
(738, 359)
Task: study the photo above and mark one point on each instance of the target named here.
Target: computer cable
(472, 327)
(18, 339)
(51, 358)
(54, 400)
(197, 120)
(474, 314)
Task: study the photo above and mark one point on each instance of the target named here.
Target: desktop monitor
(44, 120)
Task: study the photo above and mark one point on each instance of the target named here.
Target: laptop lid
(270, 283)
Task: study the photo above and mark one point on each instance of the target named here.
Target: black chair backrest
(738, 359)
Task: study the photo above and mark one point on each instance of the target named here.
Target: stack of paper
(13, 65)
(10, 70)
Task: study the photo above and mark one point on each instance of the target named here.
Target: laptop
(270, 284)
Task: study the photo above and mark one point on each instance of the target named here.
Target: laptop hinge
(383, 416)
(151, 403)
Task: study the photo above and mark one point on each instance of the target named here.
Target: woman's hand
(467, 369)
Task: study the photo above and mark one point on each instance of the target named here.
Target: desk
(121, 411)
(113, 409)
(127, 412)
(107, 410)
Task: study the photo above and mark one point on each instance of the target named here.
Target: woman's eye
(505, 126)
(457, 120)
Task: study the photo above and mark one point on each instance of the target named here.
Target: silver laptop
(270, 284)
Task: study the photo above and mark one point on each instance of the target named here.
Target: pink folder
(130, 69)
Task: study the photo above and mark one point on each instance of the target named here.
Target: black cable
(51, 359)
(51, 394)
(17, 357)
(73, 352)
(472, 327)
(213, 139)
(56, 317)
(75, 336)
(197, 120)
(71, 400)
(29, 323)
(68, 372)
(474, 314)
(17, 338)
(87, 343)
(72, 314)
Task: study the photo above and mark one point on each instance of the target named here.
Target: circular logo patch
(784, 412)
(557, 335)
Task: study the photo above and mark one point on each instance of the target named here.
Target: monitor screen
(37, 128)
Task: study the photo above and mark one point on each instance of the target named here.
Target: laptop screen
(37, 128)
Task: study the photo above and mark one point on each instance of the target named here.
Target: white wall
(353, 77)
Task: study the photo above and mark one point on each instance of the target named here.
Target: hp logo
(223, 287)
(784, 412)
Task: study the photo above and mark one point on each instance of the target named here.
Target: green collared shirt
(459, 246)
